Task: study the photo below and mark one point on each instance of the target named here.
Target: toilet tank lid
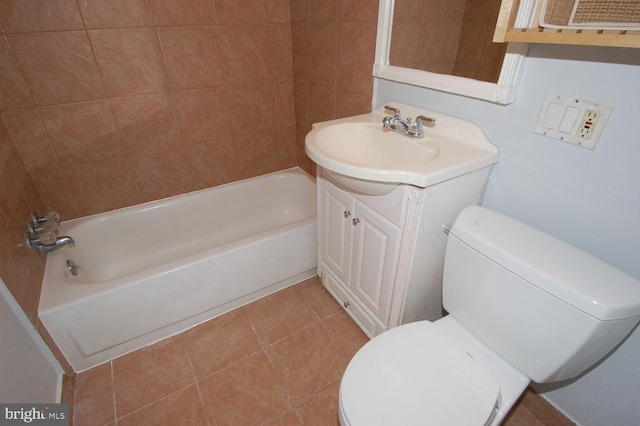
(579, 279)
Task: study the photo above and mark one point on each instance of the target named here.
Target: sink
(365, 158)
(363, 144)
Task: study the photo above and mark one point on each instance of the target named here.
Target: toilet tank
(547, 308)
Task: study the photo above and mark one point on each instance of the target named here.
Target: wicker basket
(591, 14)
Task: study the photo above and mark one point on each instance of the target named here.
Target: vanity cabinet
(381, 256)
(361, 248)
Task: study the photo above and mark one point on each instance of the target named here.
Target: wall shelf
(508, 31)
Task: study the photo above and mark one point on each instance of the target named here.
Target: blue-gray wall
(590, 199)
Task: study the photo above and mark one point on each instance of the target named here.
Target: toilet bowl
(504, 329)
(425, 370)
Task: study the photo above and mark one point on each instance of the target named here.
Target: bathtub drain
(72, 268)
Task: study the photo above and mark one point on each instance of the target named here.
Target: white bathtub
(153, 270)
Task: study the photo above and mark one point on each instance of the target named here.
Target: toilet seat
(415, 375)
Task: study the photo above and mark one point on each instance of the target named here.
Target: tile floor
(277, 361)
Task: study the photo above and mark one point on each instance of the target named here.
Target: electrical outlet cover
(573, 120)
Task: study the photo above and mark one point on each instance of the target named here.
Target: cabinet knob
(347, 213)
(347, 304)
(355, 221)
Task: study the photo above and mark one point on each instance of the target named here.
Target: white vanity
(384, 201)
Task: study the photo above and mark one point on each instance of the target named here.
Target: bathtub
(150, 271)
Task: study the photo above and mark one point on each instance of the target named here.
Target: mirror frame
(502, 92)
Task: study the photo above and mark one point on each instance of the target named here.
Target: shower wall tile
(298, 11)
(252, 150)
(252, 109)
(4, 222)
(358, 10)
(286, 116)
(146, 123)
(192, 56)
(322, 103)
(184, 12)
(300, 52)
(160, 174)
(242, 11)
(130, 61)
(30, 139)
(282, 57)
(12, 174)
(321, 10)
(55, 189)
(22, 16)
(352, 103)
(213, 163)
(355, 51)
(82, 132)
(321, 42)
(13, 89)
(246, 56)
(116, 13)
(57, 66)
(279, 11)
(104, 185)
(203, 115)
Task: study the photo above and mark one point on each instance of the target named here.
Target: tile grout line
(196, 381)
(292, 406)
(113, 390)
(165, 396)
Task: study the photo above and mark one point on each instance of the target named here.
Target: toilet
(522, 306)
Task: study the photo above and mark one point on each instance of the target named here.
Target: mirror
(451, 37)
(418, 46)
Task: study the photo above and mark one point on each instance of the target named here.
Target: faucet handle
(49, 217)
(40, 227)
(416, 129)
(34, 242)
(395, 111)
(427, 121)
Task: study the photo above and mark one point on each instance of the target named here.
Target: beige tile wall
(333, 52)
(109, 104)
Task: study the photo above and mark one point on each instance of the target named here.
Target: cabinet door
(336, 233)
(375, 255)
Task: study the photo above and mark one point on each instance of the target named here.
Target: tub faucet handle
(42, 227)
(49, 217)
(46, 223)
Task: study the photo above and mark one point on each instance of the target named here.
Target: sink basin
(357, 150)
(363, 144)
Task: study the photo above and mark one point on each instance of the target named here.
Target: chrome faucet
(405, 126)
(46, 242)
(42, 236)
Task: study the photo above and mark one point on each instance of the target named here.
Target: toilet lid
(414, 375)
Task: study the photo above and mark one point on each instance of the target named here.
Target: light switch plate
(572, 120)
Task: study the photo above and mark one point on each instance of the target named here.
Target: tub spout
(60, 241)
(48, 244)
